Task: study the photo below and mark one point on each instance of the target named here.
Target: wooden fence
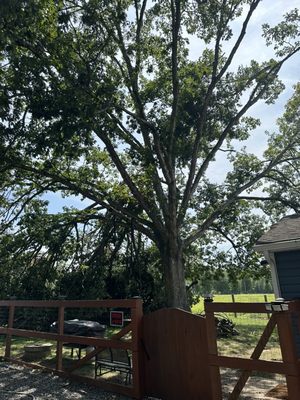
(134, 345)
(289, 365)
(174, 353)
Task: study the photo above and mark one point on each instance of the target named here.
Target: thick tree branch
(143, 225)
(201, 120)
(231, 241)
(157, 145)
(140, 116)
(254, 97)
(285, 202)
(150, 209)
(232, 197)
(176, 19)
(145, 127)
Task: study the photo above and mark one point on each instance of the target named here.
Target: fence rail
(257, 308)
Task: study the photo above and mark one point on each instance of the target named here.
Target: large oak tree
(100, 99)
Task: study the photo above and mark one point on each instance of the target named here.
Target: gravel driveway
(18, 383)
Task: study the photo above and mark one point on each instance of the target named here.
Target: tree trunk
(174, 274)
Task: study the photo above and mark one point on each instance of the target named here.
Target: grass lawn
(249, 326)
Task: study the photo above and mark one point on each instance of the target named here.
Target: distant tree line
(225, 285)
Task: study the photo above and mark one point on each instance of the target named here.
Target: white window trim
(270, 257)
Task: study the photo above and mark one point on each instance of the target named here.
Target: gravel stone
(20, 383)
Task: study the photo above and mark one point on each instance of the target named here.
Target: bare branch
(11, 210)
(139, 20)
(237, 44)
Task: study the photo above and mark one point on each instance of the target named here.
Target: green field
(227, 298)
(249, 326)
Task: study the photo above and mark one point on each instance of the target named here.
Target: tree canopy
(99, 99)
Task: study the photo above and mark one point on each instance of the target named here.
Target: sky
(253, 47)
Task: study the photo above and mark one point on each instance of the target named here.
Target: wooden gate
(176, 356)
(133, 344)
(289, 365)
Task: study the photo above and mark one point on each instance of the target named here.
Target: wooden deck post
(289, 354)
(233, 300)
(11, 315)
(266, 300)
(59, 345)
(138, 379)
(215, 375)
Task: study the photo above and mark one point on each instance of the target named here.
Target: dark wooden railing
(134, 344)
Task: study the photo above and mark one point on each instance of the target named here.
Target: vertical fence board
(289, 353)
(176, 357)
(266, 300)
(59, 345)
(213, 350)
(137, 315)
(233, 300)
(11, 315)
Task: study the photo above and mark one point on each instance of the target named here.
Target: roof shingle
(288, 228)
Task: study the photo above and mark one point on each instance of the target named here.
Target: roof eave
(292, 244)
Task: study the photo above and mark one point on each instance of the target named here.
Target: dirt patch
(257, 387)
(279, 392)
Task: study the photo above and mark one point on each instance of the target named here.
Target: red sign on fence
(116, 318)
